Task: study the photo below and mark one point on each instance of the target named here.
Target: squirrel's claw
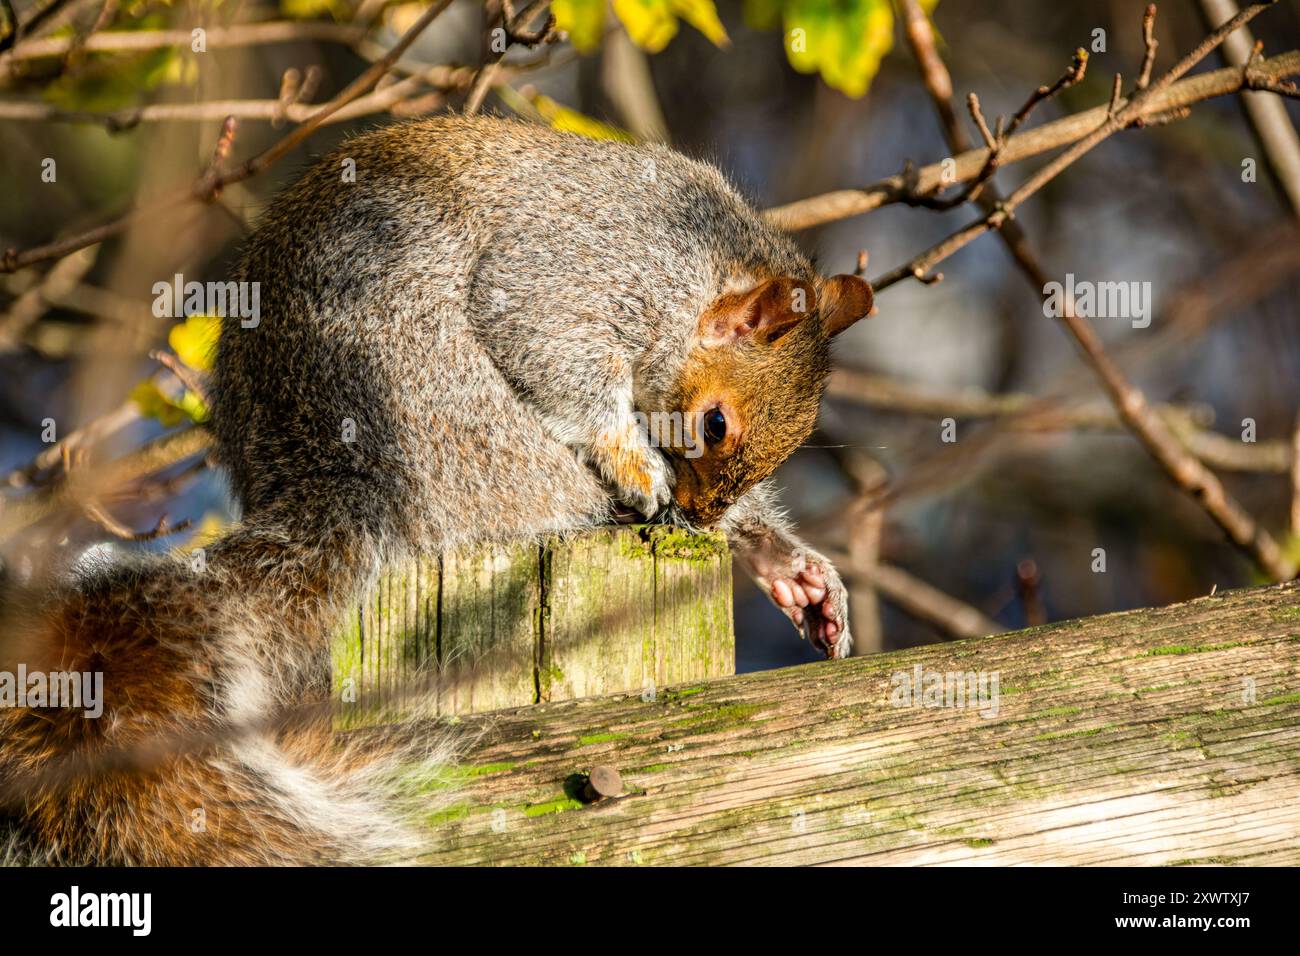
(816, 602)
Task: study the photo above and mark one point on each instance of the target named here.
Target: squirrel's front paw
(817, 602)
(643, 482)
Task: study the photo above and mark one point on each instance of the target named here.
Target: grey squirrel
(462, 345)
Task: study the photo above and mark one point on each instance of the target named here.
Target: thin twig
(1023, 412)
(845, 203)
(40, 468)
(209, 185)
(1185, 469)
(1116, 94)
(1146, 102)
(1150, 45)
(33, 303)
(995, 141)
(516, 30)
(74, 490)
(973, 104)
(100, 516)
(955, 618)
(1270, 121)
(137, 41)
(1073, 74)
(1029, 583)
(865, 528)
(406, 97)
(191, 379)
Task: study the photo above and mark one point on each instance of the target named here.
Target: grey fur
(484, 301)
(445, 347)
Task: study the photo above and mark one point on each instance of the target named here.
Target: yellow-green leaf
(151, 401)
(210, 528)
(844, 41)
(195, 340)
(8, 25)
(650, 23)
(311, 9)
(703, 15)
(582, 20)
(192, 406)
(571, 121)
(192, 340)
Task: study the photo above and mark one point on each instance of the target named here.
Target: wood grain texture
(1167, 736)
(618, 609)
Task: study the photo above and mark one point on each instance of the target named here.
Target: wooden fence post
(619, 609)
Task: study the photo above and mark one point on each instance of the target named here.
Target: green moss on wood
(718, 717)
(682, 545)
(1066, 734)
(1177, 649)
(449, 814)
(1280, 699)
(559, 804)
(483, 770)
(590, 739)
(835, 774)
(1056, 712)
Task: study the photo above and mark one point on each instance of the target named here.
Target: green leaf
(209, 529)
(844, 40)
(312, 9)
(582, 20)
(571, 121)
(650, 23)
(192, 406)
(703, 15)
(111, 81)
(195, 340)
(153, 402)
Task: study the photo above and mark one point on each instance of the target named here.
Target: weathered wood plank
(488, 629)
(619, 609)
(692, 601)
(599, 638)
(1150, 737)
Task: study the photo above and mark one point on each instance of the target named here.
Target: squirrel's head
(749, 392)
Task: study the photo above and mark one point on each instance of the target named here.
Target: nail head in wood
(603, 782)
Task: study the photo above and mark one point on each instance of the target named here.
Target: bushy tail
(214, 744)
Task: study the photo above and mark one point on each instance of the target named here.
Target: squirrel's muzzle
(701, 506)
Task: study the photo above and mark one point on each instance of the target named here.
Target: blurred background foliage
(792, 98)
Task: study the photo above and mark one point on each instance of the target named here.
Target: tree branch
(209, 185)
(842, 204)
(1185, 469)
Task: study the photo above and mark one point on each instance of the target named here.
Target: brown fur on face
(769, 393)
(763, 359)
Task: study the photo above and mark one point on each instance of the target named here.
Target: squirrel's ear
(844, 300)
(766, 312)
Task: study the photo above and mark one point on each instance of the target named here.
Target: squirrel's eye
(715, 426)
